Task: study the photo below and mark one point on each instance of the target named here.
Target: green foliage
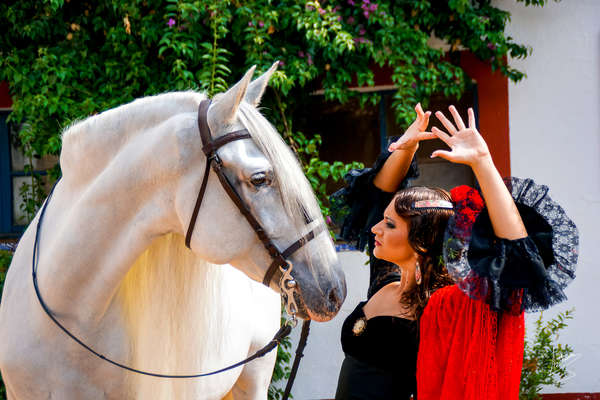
(65, 60)
(544, 359)
(281, 372)
(5, 259)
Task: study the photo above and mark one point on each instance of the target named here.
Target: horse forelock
(297, 195)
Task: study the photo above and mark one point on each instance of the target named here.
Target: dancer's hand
(466, 144)
(415, 132)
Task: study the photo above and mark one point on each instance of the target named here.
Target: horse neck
(107, 133)
(98, 224)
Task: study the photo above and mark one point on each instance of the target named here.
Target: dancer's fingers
(472, 118)
(427, 136)
(442, 154)
(444, 137)
(447, 124)
(419, 110)
(457, 119)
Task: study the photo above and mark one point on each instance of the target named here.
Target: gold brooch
(359, 326)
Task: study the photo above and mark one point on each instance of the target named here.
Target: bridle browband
(287, 283)
(210, 147)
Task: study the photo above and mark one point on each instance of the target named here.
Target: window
(351, 133)
(12, 177)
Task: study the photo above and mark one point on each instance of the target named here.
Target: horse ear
(223, 111)
(257, 88)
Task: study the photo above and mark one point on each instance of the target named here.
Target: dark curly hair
(426, 228)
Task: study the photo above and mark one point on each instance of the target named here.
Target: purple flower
(261, 24)
(328, 220)
(366, 14)
(350, 20)
(366, 2)
(351, 2)
(414, 85)
(336, 8)
(309, 59)
(321, 11)
(339, 18)
(491, 46)
(170, 22)
(250, 23)
(281, 63)
(301, 54)
(373, 7)
(362, 32)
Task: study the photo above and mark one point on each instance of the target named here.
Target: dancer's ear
(257, 88)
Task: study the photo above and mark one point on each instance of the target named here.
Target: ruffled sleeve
(527, 274)
(358, 206)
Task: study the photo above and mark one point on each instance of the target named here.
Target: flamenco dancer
(451, 274)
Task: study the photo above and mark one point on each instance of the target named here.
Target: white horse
(113, 267)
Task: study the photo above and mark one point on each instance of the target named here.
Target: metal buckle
(215, 157)
(287, 285)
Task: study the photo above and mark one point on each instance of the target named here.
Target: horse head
(269, 180)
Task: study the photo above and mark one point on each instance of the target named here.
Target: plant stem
(287, 132)
(214, 58)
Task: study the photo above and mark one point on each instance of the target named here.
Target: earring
(418, 273)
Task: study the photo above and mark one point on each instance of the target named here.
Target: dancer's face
(391, 239)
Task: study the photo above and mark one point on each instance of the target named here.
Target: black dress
(380, 362)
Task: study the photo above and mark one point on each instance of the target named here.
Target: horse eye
(259, 179)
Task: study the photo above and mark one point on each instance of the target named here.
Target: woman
(471, 332)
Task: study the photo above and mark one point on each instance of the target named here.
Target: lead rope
(297, 357)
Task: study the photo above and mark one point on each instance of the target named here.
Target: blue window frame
(7, 226)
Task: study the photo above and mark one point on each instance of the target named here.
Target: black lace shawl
(527, 274)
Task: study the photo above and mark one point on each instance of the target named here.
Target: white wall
(555, 139)
(320, 366)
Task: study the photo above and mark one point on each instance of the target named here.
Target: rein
(287, 283)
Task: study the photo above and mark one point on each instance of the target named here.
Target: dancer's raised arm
(468, 147)
(396, 166)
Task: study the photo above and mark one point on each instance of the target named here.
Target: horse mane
(111, 129)
(168, 298)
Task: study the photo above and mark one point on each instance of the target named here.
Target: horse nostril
(334, 297)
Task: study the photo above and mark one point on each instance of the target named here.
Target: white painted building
(554, 118)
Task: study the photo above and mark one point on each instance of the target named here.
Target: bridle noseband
(287, 284)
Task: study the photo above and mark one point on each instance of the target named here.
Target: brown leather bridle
(210, 146)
